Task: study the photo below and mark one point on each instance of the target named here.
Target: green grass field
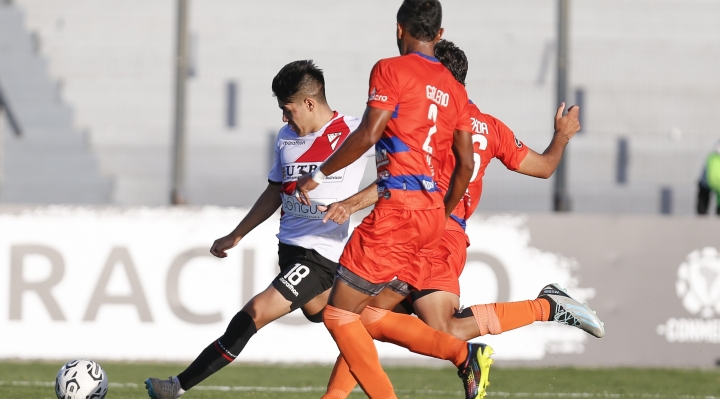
(29, 380)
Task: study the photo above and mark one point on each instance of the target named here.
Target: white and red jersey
(302, 225)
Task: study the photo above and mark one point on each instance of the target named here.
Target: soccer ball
(81, 379)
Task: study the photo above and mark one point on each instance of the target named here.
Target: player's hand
(305, 184)
(337, 212)
(567, 125)
(223, 244)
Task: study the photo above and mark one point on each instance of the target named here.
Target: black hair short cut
(299, 78)
(453, 59)
(421, 18)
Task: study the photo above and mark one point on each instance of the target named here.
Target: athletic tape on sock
(486, 319)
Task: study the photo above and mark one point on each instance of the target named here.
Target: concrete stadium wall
(139, 284)
(648, 70)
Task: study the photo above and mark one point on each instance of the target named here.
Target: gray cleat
(163, 389)
(566, 310)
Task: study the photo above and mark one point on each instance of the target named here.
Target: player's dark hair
(453, 59)
(299, 78)
(421, 18)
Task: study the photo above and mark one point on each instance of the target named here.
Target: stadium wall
(140, 284)
(647, 68)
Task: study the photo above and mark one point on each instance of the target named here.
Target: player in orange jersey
(438, 300)
(416, 113)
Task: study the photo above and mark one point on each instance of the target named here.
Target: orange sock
(412, 333)
(358, 349)
(341, 381)
(496, 318)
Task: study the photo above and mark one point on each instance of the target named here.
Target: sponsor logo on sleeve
(376, 97)
(518, 143)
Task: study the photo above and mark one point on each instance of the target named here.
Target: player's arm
(268, 202)
(463, 150)
(544, 165)
(339, 212)
(367, 134)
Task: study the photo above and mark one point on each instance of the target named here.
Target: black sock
(221, 352)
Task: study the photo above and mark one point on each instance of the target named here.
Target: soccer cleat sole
(150, 391)
(485, 363)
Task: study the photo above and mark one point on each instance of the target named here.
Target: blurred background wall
(91, 82)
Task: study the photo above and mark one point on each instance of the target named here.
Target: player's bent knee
(314, 318)
(371, 315)
(238, 333)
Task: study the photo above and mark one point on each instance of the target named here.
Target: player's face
(297, 116)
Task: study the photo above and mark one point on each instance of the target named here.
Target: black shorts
(304, 274)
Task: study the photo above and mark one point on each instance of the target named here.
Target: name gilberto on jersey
(433, 93)
(437, 96)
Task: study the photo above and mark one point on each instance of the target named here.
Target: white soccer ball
(81, 379)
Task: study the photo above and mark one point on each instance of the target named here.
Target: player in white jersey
(308, 248)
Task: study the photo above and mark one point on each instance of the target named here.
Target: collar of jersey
(427, 57)
(321, 131)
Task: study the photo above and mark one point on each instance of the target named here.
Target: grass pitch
(29, 380)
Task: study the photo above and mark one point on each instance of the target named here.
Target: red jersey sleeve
(510, 151)
(384, 85)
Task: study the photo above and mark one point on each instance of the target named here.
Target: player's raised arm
(367, 134)
(544, 165)
(462, 148)
(268, 202)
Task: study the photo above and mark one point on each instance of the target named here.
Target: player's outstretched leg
(564, 309)
(472, 360)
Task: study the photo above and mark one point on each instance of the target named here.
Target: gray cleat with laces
(566, 310)
(163, 389)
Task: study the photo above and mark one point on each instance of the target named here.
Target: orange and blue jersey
(428, 105)
(491, 139)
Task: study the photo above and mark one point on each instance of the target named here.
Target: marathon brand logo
(437, 96)
(294, 277)
(292, 206)
(698, 288)
(376, 97)
(292, 142)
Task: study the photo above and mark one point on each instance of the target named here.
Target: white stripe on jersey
(301, 225)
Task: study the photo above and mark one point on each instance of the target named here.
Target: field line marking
(237, 388)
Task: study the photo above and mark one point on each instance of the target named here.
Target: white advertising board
(140, 284)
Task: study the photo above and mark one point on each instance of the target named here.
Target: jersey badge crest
(333, 139)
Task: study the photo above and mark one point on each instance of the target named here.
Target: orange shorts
(389, 240)
(440, 268)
